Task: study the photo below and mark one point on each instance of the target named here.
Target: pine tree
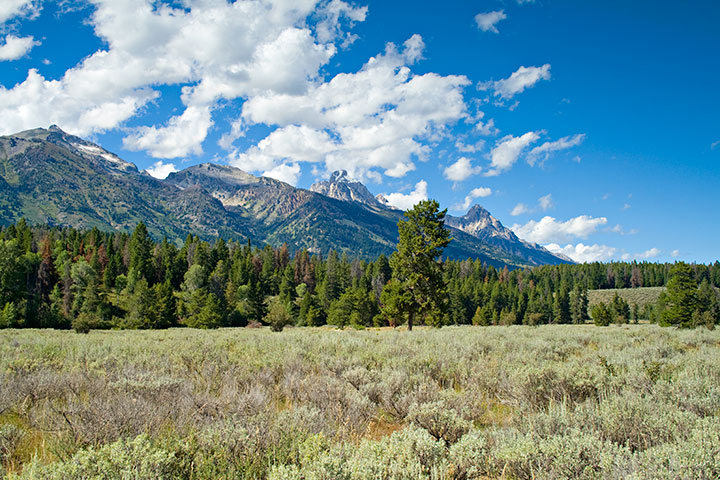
(257, 309)
(561, 307)
(422, 238)
(164, 305)
(141, 246)
(601, 315)
(579, 305)
(681, 300)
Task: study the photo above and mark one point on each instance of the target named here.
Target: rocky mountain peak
(87, 150)
(341, 187)
(339, 176)
(479, 223)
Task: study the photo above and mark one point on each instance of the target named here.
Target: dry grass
(242, 403)
(640, 296)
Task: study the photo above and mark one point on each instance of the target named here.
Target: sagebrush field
(546, 402)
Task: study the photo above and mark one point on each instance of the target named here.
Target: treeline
(63, 278)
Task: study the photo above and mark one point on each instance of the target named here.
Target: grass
(556, 401)
(640, 296)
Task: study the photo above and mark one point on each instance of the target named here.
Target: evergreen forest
(68, 278)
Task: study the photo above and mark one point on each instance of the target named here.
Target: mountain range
(49, 176)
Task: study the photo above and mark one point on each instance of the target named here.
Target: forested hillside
(52, 277)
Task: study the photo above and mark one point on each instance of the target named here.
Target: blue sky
(590, 127)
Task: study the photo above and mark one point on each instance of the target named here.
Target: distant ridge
(49, 176)
(477, 222)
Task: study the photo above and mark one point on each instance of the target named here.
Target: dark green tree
(620, 309)
(141, 246)
(601, 315)
(681, 300)
(415, 266)
(561, 307)
(579, 304)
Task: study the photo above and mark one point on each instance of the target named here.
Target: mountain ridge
(477, 222)
(49, 176)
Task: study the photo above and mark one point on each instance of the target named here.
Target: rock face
(340, 187)
(49, 176)
(480, 224)
(477, 222)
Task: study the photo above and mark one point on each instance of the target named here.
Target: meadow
(640, 296)
(551, 402)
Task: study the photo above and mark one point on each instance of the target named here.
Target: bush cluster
(628, 401)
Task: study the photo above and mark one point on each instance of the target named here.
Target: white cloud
(519, 209)
(480, 192)
(161, 170)
(675, 253)
(486, 128)
(545, 202)
(460, 170)
(508, 149)
(182, 135)
(487, 21)
(219, 50)
(288, 173)
(407, 201)
(331, 15)
(584, 253)
(714, 145)
(651, 253)
(518, 81)
(16, 47)
(549, 230)
(15, 8)
(375, 118)
(548, 147)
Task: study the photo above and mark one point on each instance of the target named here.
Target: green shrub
(121, 460)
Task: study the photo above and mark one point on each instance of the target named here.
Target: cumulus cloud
(182, 135)
(487, 21)
(584, 253)
(480, 192)
(675, 253)
(518, 81)
(545, 202)
(406, 201)
(288, 173)
(651, 253)
(16, 47)
(161, 170)
(460, 170)
(219, 50)
(507, 151)
(548, 147)
(14, 8)
(549, 230)
(329, 26)
(519, 209)
(373, 119)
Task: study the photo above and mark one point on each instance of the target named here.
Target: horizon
(599, 146)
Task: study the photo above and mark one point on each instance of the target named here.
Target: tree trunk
(411, 314)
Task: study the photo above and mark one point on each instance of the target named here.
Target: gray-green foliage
(121, 460)
(552, 402)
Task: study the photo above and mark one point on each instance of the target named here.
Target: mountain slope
(497, 241)
(340, 187)
(48, 176)
(56, 178)
(480, 224)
